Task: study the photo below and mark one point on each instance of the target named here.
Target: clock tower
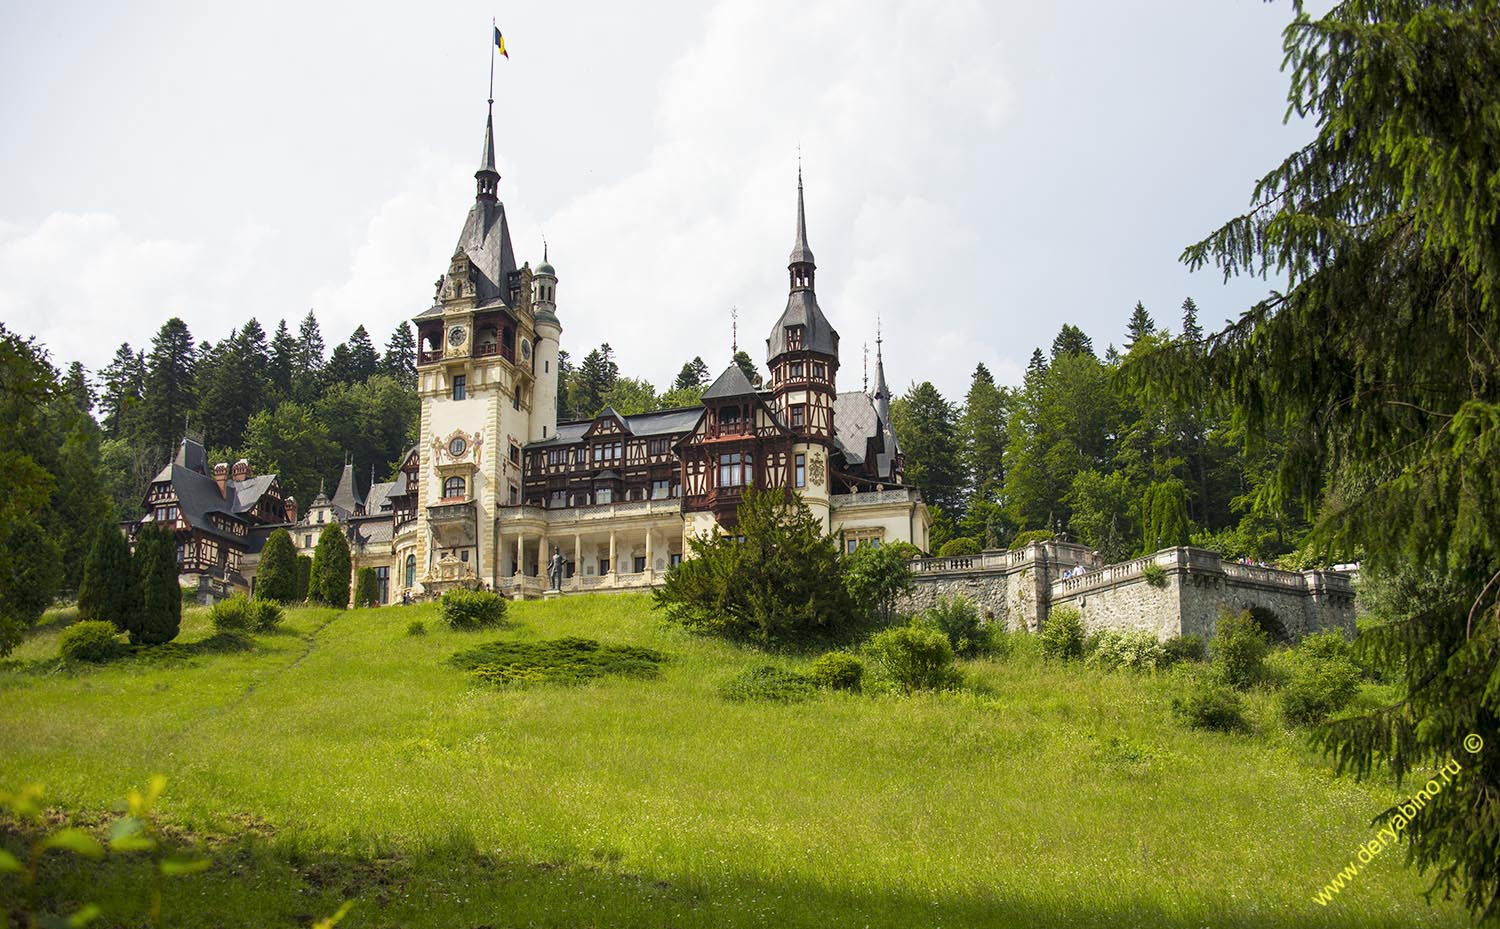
(487, 379)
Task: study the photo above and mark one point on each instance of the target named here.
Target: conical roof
(732, 383)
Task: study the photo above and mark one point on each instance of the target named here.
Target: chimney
(221, 477)
(242, 470)
(291, 509)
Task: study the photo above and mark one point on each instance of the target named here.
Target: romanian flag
(500, 42)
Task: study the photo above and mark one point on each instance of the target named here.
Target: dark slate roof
(367, 531)
(190, 455)
(856, 420)
(198, 498)
(732, 383)
(346, 496)
(655, 423)
(379, 497)
(800, 252)
(802, 310)
(486, 240)
(243, 495)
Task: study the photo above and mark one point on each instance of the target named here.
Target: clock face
(456, 335)
(457, 446)
(526, 349)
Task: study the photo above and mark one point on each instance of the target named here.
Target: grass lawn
(345, 759)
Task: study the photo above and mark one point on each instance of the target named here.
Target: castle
(501, 485)
(495, 485)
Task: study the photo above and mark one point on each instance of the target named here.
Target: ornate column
(650, 565)
(520, 556)
(613, 567)
(577, 559)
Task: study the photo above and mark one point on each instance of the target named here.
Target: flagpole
(493, 27)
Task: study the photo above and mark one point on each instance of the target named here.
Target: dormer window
(793, 337)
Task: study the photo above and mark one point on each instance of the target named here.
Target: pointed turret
(345, 495)
(882, 393)
(801, 254)
(802, 326)
(487, 179)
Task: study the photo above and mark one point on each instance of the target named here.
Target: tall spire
(487, 179)
(801, 254)
(882, 393)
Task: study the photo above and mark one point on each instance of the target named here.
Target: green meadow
(343, 759)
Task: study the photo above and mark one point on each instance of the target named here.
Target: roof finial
(867, 368)
(734, 328)
(545, 259)
(801, 254)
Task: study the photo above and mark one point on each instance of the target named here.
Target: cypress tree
(304, 578)
(276, 578)
(329, 583)
(366, 591)
(110, 591)
(160, 613)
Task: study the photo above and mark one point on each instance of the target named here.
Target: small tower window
(793, 337)
(460, 386)
(453, 487)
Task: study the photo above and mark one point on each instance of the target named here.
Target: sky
(977, 173)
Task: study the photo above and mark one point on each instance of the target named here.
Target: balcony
(454, 525)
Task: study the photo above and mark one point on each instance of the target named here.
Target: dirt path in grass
(310, 642)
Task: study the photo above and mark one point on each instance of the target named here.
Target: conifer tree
(124, 380)
(593, 380)
(307, 373)
(565, 376)
(304, 578)
(1376, 355)
(367, 588)
(742, 358)
(1191, 331)
(330, 577)
(1164, 517)
(276, 577)
(400, 359)
(982, 431)
(233, 385)
(110, 591)
(925, 429)
(282, 361)
(1141, 325)
(363, 362)
(693, 374)
(1071, 341)
(160, 613)
(170, 393)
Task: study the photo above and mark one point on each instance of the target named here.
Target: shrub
(837, 671)
(1182, 648)
(769, 683)
(472, 609)
(1154, 574)
(1136, 650)
(1023, 539)
(1164, 517)
(915, 657)
(874, 578)
(109, 590)
(329, 579)
(276, 576)
(1322, 679)
(416, 627)
(959, 621)
(367, 588)
(1062, 634)
(266, 614)
(903, 550)
(232, 615)
(89, 640)
(1210, 704)
(959, 547)
(556, 661)
(783, 583)
(160, 613)
(1239, 649)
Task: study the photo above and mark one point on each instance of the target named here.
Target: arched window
(411, 570)
(453, 487)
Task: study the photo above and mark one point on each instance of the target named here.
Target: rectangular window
(801, 471)
(640, 564)
(460, 383)
(604, 495)
(796, 369)
(820, 370)
(660, 490)
(559, 498)
(799, 415)
(463, 555)
(793, 337)
(383, 583)
(603, 566)
(515, 453)
(515, 400)
(674, 559)
(515, 495)
(850, 545)
(658, 446)
(580, 499)
(729, 470)
(320, 517)
(307, 541)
